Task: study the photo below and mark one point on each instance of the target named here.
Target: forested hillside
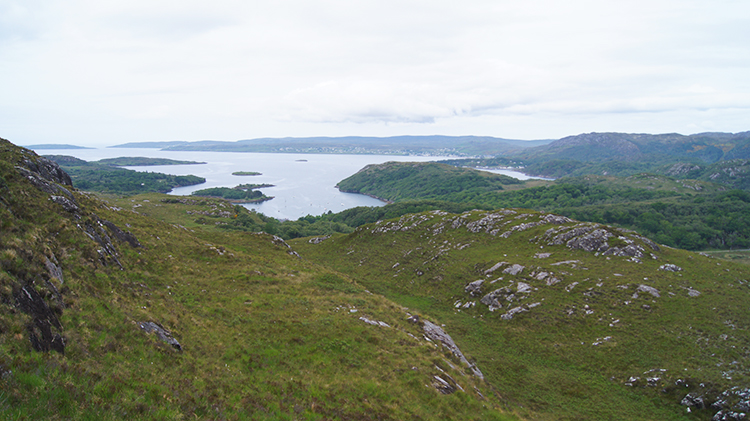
(690, 214)
(104, 177)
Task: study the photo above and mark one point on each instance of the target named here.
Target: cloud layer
(92, 72)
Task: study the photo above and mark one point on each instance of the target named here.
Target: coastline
(386, 201)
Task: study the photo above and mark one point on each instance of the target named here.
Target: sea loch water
(304, 184)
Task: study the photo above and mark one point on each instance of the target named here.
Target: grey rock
(645, 288)
(514, 269)
(443, 385)
(493, 298)
(670, 268)
(318, 240)
(437, 334)
(495, 267)
(67, 204)
(693, 400)
(552, 280)
(512, 312)
(474, 288)
(161, 333)
(54, 270)
(44, 325)
(523, 287)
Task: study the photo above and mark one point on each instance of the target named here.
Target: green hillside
(393, 181)
(568, 320)
(106, 313)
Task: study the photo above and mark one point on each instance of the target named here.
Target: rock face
(38, 295)
(437, 334)
(45, 328)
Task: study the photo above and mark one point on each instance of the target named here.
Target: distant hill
(55, 146)
(598, 147)
(395, 145)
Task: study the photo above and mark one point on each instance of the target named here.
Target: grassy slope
(543, 361)
(265, 334)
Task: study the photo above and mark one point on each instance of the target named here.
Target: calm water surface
(304, 184)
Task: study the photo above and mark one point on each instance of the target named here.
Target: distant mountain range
(596, 147)
(55, 146)
(588, 147)
(394, 145)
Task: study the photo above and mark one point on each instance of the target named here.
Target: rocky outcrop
(38, 292)
(161, 333)
(275, 239)
(682, 168)
(474, 288)
(318, 240)
(670, 268)
(596, 238)
(45, 330)
(437, 334)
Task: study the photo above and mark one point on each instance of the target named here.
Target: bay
(304, 184)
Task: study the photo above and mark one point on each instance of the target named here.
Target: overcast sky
(98, 72)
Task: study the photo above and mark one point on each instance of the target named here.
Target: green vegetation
(246, 173)
(395, 181)
(97, 177)
(689, 214)
(136, 161)
(236, 194)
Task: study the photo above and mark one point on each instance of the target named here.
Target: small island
(246, 173)
(140, 161)
(234, 195)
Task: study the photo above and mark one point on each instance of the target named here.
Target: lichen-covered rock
(512, 312)
(474, 288)
(523, 287)
(437, 334)
(670, 268)
(495, 267)
(645, 288)
(514, 269)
